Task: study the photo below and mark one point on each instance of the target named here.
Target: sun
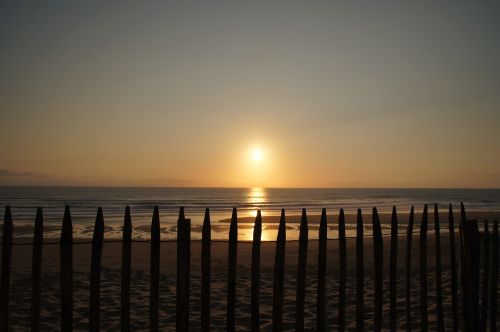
(257, 154)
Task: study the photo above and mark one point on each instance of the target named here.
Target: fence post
(231, 272)
(255, 286)
(322, 243)
(486, 276)
(66, 256)
(393, 266)
(154, 274)
(342, 271)
(494, 279)
(439, 295)
(205, 272)
(125, 272)
(423, 270)
(464, 266)
(301, 274)
(378, 245)
(36, 271)
(408, 262)
(183, 260)
(6, 268)
(469, 266)
(453, 259)
(279, 275)
(95, 272)
(360, 275)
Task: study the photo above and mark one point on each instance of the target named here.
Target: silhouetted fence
(478, 306)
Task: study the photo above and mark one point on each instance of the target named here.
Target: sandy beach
(110, 285)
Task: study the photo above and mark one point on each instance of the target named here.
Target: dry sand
(110, 284)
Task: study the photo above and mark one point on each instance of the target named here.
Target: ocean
(84, 202)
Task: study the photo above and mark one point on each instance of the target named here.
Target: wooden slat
(66, 261)
(6, 269)
(125, 271)
(475, 259)
(469, 266)
(255, 268)
(279, 275)
(453, 267)
(154, 272)
(301, 274)
(494, 278)
(486, 276)
(378, 246)
(187, 226)
(183, 271)
(464, 268)
(320, 300)
(36, 271)
(423, 270)
(231, 272)
(408, 262)
(360, 274)
(182, 290)
(95, 272)
(205, 272)
(439, 293)
(342, 270)
(393, 268)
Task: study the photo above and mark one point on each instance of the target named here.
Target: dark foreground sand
(110, 293)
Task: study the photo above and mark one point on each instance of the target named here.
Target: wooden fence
(478, 306)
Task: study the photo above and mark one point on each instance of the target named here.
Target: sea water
(84, 202)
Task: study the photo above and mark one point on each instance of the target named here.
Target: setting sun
(257, 154)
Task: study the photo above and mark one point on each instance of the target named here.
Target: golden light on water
(257, 198)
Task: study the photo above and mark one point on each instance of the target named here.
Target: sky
(332, 93)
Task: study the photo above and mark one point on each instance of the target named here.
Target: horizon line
(236, 187)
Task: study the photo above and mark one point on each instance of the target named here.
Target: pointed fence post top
(323, 216)
(155, 225)
(257, 229)
(7, 215)
(258, 220)
(282, 228)
(38, 236)
(303, 226)
(282, 218)
(233, 227)
(39, 213)
(462, 212)
(127, 222)
(207, 216)
(181, 214)
(394, 217)
(98, 235)
(67, 227)
(7, 219)
(7, 227)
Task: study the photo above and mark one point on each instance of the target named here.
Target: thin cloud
(14, 173)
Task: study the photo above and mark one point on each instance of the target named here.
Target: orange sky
(335, 95)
